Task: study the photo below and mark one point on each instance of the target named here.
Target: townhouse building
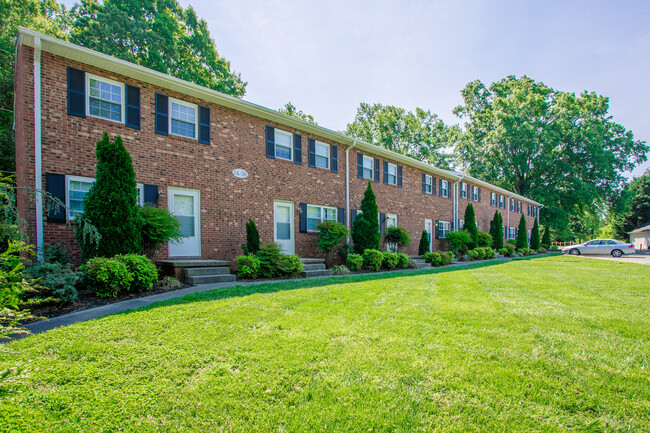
(215, 161)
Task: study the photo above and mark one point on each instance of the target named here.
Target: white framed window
(511, 233)
(322, 151)
(368, 167)
(444, 188)
(474, 193)
(502, 202)
(428, 184)
(76, 189)
(493, 199)
(392, 174)
(463, 190)
(444, 227)
(283, 144)
(518, 207)
(318, 214)
(183, 118)
(461, 224)
(105, 98)
(512, 205)
(391, 220)
(428, 227)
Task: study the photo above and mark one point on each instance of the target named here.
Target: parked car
(600, 246)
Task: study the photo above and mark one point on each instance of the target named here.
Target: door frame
(197, 217)
(291, 221)
(427, 220)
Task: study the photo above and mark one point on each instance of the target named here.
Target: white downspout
(347, 188)
(508, 217)
(457, 204)
(38, 162)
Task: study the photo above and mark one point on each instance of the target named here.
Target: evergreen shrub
(372, 259)
(354, 262)
(248, 266)
(143, 271)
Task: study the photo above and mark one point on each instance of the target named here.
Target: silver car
(600, 246)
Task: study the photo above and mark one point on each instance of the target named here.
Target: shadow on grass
(281, 286)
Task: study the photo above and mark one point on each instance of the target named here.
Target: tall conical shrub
(496, 230)
(425, 243)
(252, 237)
(534, 236)
(522, 234)
(365, 229)
(111, 204)
(546, 239)
(470, 225)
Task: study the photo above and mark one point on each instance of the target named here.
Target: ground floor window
(318, 214)
(77, 188)
(511, 233)
(444, 227)
(461, 224)
(391, 220)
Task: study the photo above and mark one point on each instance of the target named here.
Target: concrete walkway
(118, 307)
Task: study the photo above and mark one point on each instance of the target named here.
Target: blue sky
(328, 56)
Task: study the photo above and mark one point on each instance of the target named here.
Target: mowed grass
(550, 344)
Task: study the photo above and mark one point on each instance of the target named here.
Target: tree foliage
(560, 149)
(470, 225)
(252, 244)
(420, 134)
(290, 110)
(632, 208)
(496, 230)
(111, 204)
(534, 236)
(365, 229)
(522, 234)
(158, 227)
(331, 236)
(546, 238)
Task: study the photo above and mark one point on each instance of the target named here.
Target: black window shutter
(270, 142)
(376, 164)
(204, 125)
(479, 194)
(162, 114)
(449, 187)
(341, 215)
(151, 194)
(399, 176)
(360, 165)
(385, 172)
(382, 223)
(440, 187)
(437, 231)
(55, 186)
(76, 92)
(311, 146)
(424, 183)
(433, 185)
(303, 217)
(334, 158)
(353, 216)
(132, 107)
(297, 149)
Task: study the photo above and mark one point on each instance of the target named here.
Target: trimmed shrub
(512, 241)
(248, 266)
(354, 262)
(331, 235)
(484, 240)
(111, 204)
(56, 254)
(522, 234)
(546, 238)
(554, 248)
(472, 254)
(412, 264)
(269, 255)
(340, 270)
(541, 250)
(425, 243)
(534, 236)
(159, 226)
(107, 277)
(56, 280)
(459, 242)
(496, 230)
(252, 238)
(470, 226)
(434, 258)
(504, 252)
(511, 250)
(390, 260)
(402, 260)
(365, 229)
(144, 272)
(169, 283)
(290, 266)
(489, 253)
(480, 253)
(446, 258)
(398, 237)
(526, 251)
(372, 259)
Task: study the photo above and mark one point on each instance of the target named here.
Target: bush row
(109, 277)
(374, 260)
(481, 253)
(268, 262)
(438, 259)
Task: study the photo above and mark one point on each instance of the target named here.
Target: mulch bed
(87, 299)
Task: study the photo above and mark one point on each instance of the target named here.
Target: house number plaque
(240, 173)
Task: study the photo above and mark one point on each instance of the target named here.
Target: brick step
(208, 279)
(311, 261)
(314, 267)
(316, 273)
(195, 272)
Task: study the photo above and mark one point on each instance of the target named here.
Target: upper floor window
(283, 148)
(391, 220)
(105, 98)
(475, 193)
(392, 174)
(512, 205)
(428, 184)
(463, 190)
(512, 233)
(502, 203)
(318, 214)
(322, 151)
(444, 188)
(77, 189)
(493, 199)
(182, 119)
(518, 207)
(368, 167)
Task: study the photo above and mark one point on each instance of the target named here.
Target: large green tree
(290, 110)
(637, 209)
(561, 149)
(420, 134)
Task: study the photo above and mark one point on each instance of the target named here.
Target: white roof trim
(118, 66)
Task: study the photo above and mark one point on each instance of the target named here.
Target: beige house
(640, 237)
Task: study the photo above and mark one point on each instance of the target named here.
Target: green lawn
(550, 344)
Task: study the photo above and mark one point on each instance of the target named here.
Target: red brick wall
(237, 141)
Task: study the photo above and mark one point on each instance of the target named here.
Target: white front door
(283, 226)
(428, 227)
(184, 205)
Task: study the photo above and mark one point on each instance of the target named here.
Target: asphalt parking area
(643, 259)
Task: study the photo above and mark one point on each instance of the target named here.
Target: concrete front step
(209, 279)
(311, 261)
(316, 273)
(194, 263)
(424, 265)
(195, 272)
(314, 266)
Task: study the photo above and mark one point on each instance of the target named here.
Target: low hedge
(372, 259)
(106, 276)
(248, 266)
(390, 260)
(143, 271)
(354, 262)
(402, 261)
(433, 257)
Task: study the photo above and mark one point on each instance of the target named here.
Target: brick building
(215, 161)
